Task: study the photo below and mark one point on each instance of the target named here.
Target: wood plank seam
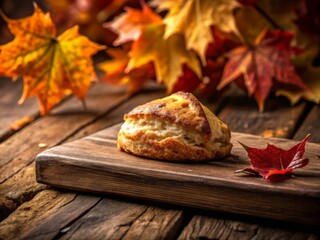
(105, 114)
(301, 118)
(61, 232)
(132, 221)
(9, 132)
(82, 128)
(311, 124)
(60, 165)
(66, 137)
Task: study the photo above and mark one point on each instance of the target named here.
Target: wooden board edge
(119, 183)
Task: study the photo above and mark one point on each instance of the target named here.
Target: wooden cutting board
(94, 164)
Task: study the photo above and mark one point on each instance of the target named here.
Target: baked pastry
(174, 128)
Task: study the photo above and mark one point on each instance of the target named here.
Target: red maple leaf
(274, 163)
(212, 73)
(188, 81)
(260, 64)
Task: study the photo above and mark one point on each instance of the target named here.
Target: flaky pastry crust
(174, 128)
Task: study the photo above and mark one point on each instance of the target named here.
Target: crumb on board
(42, 145)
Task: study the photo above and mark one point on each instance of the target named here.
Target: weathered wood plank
(169, 218)
(10, 111)
(156, 223)
(21, 149)
(65, 226)
(211, 185)
(18, 189)
(116, 115)
(23, 186)
(278, 119)
(311, 125)
(44, 215)
(112, 219)
(201, 227)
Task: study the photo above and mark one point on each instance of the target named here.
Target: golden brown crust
(175, 128)
(182, 108)
(171, 149)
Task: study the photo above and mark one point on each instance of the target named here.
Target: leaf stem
(268, 18)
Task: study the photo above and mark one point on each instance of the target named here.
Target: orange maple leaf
(52, 67)
(115, 71)
(268, 59)
(129, 25)
(149, 46)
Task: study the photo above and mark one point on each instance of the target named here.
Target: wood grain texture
(201, 227)
(21, 149)
(95, 164)
(311, 124)
(21, 188)
(26, 188)
(112, 219)
(278, 119)
(45, 215)
(10, 110)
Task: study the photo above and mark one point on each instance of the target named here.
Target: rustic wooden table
(29, 210)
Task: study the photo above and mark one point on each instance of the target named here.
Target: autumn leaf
(89, 15)
(187, 82)
(52, 67)
(149, 46)
(167, 55)
(279, 14)
(274, 163)
(223, 43)
(212, 71)
(310, 75)
(311, 78)
(194, 20)
(250, 23)
(260, 64)
(212, 74)
(115, 71)
(129, 25)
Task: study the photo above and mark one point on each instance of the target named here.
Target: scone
(174, 128)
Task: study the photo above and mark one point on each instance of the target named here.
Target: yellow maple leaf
(115, 71)
(168, 55)
(51, 66)
(194, 19)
